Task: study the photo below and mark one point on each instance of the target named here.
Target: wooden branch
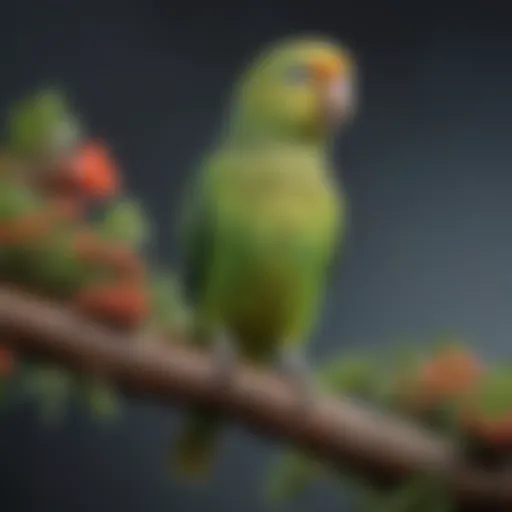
(345, 434)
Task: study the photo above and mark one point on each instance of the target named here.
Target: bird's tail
(194, 453)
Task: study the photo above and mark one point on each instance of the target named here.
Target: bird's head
(300, 88)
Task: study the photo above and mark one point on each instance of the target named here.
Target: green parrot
(263, 220)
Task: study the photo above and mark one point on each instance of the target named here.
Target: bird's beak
(336, 87)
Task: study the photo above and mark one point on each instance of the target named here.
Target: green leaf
(169, 311)
(354, 375)
(127, 222)
(406, 356)
(53, 268)
(101, 398)
(402, 361)
(494, 395)
(164, 293)
(50, 388)
(290, 476)
(17, 200)
(43, 124)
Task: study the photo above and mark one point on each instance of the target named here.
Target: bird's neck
(262, 136)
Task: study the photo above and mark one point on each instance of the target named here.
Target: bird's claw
(224, 357)
(295, 368)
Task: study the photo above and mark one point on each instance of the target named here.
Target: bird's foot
(295, 368)
(224, 355)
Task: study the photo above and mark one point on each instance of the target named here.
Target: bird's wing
(196, 239)
(337, 230)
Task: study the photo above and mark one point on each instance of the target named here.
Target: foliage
(42, 124)
(126, 222)
(63, 236)
(169, 312)
(446, 388)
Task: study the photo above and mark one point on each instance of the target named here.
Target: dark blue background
(428, 167)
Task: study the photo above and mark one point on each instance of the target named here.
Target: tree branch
(345, 434)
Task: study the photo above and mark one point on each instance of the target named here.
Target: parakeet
(263, 220)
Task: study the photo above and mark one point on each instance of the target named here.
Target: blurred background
(427, 165)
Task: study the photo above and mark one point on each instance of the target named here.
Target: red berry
(448, 375)
(92, 171)
(123, 305)
(92, 249)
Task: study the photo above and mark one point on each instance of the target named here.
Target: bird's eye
(298, 75)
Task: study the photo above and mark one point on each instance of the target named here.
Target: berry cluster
(67, 228)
